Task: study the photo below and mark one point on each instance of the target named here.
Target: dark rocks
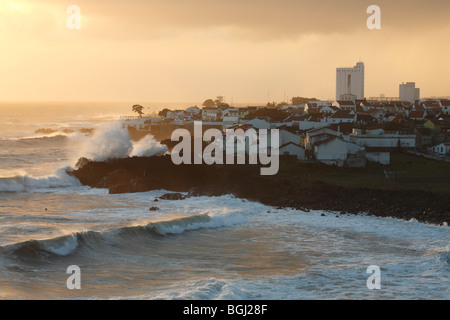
(244, 181)
(153, 209)
(119, 189)
(173, 196)
(81, 163)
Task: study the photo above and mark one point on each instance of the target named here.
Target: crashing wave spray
(112, 141)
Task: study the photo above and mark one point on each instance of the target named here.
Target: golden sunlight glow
(155, 51)
(13, 6)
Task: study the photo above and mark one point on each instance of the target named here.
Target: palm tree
(138, 109)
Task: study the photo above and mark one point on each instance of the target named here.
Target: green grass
(411, 172)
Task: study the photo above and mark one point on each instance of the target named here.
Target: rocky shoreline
(244, 181)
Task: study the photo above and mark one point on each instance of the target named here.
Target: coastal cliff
(289, 188)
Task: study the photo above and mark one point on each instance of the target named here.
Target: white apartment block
(350, 82)
(409, 92)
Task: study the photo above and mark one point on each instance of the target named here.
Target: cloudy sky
(245, 50)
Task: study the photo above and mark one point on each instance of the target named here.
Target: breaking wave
(112, 141)
(148, 147)
(59, 138)
(38, 141)
(26, 183)
(96, 241)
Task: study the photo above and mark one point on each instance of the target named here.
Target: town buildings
(350, 131)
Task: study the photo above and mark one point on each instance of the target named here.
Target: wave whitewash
(199, 248)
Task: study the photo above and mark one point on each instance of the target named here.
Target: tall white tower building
(409, 92)
(350, 82)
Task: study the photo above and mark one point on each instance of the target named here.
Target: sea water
(197, 248)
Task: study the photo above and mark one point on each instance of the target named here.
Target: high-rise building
(350, 82)
(409, 92)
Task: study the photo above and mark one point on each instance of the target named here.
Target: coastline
(133, 175)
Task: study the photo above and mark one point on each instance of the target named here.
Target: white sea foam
(178, 226)
(61, 246)
(148, 147)
(205, 289)
(108, 142)
(112, 141)
(27, 183)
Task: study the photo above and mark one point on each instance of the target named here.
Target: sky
(191, 50)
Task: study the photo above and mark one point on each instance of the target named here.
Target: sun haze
(253, 50)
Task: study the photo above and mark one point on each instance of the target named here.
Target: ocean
(201, 248)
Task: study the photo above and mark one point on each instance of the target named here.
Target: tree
(138, 109)
(209, 103)
(163, 113)
(219, 100)
(281, 104)
(301, 100)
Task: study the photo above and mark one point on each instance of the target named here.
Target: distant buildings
(409, 92)
(442, 149)
(350, 131)
(350, 83)
(445, 105)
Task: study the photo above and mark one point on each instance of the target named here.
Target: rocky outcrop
(244, 181)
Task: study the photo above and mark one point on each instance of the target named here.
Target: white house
(335, 151)
(445, 105)
(193, 111)
(321, 134)
(316, 106)
(443, 149)
(210, 114)
(384, 142)
(230, 117)
(345, 105)
(288, 137)
(292, 149)
(342, 116)
(328, 109)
